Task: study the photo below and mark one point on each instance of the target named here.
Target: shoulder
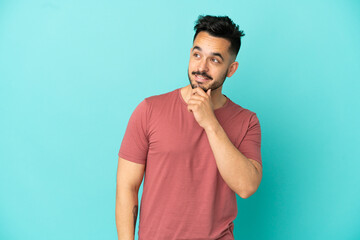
(161, 99)
(240, 111)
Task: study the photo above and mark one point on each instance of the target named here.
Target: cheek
(220, 73)
(192, 67)
(191, 64)
(224, 71)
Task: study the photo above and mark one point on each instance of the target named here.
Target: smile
(200, 78)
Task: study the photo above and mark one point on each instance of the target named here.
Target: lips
(200, 78)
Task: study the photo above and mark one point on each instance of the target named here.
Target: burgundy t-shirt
(184, 195)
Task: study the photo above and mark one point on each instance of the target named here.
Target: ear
(232, 69)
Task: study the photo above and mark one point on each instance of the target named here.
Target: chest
(178, 133)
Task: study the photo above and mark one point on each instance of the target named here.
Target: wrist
(213, 128)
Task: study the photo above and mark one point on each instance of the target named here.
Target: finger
(197, 97)
(195, 102)
(191, 107)
(209, 92)
(200, 91)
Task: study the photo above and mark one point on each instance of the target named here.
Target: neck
(217, 98)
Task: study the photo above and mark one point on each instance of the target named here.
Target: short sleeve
(134, 146)
(251, 143)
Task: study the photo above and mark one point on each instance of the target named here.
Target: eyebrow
(213, 53)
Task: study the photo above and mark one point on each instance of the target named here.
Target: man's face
(210, 62)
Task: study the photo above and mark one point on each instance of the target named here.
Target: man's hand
(201, 106)
(241, 174)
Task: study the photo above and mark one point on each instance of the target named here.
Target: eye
(215, 60)
(196, 55)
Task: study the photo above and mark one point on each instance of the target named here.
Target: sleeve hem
(131, 159)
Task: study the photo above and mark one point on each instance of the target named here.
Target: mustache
(202, 74)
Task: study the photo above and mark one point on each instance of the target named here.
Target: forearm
(126, 211)
(238, 172)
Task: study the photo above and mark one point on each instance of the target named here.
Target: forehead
(210, 44)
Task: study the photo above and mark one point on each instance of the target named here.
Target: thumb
(209, 92)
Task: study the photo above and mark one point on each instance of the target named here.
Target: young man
(196, 147)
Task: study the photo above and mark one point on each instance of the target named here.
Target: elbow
(249, 189)
(246, 193)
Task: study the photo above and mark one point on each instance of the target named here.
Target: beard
(213, 86)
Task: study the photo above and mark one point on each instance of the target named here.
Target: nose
(203, 65)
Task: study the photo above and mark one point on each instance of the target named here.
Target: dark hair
(221, 26)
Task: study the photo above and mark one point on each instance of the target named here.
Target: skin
(210, 57)
(242, 175)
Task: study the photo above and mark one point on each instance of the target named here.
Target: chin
(194, 84)
(205, 88)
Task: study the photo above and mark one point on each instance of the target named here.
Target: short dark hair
(220, 26)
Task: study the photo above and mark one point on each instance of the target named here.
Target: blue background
(72, 72)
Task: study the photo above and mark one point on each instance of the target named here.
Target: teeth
(201, 77)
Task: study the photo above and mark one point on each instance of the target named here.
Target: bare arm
(129, 178)
(241, 174)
